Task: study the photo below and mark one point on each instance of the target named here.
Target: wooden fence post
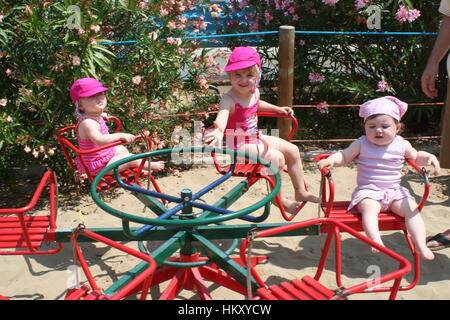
(444, 154)
(285, 75)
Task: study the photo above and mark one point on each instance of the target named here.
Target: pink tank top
(242, 121)
(380, 165)
(95, 161)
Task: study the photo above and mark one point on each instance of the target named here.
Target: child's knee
(279, 161)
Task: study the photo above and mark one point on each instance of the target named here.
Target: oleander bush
(136, 48)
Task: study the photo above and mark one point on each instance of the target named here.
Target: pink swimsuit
(98, 160)
(243, 121)
(379, 173)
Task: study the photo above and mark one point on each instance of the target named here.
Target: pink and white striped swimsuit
(379, 172)
(95, 161)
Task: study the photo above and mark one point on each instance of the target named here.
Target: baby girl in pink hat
(379, 156)
(88, 95)
(238, 114)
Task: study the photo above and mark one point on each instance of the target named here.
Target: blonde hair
(253, 69)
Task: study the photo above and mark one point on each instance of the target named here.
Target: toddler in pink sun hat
(88, 95)
(241, 58)
(380, 156)
(238, 115)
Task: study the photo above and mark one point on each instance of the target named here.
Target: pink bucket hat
(241, 58)
(386, 105)
(85, 87)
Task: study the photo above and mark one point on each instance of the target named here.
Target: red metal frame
(337, 210)
(253, 171)
(26, 231)
(292, 290)
(193, 278)
(141, 283)
(130, 175)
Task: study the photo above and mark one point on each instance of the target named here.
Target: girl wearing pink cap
(237, 114)
(92, 131)
(379, 156)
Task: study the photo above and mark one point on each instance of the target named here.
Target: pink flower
(163, 12)
(359, 4)
(330, 2)
(76, 60)
(171, 25)
(142, 5)
(316, 77)
(323, 107)
(81, 31)
(1, 17)
(203, 83)
(136, 79)
(176, 41)
(27, 149)
(92, 41)
(3, 102)
(302, 42)
(383, 86)
(9, 119)
(35, 153)
(404, 14)
(242, 3)
(95, 28)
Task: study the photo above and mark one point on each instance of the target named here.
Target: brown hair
(400, 125)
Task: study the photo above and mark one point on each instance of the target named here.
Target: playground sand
(49, 276)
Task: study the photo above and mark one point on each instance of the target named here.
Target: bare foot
(292, 207)
(157, 166)
(380, 242)
(439, 241)
(301, 196)
(425, 252)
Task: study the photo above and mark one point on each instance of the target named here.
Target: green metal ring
(189, 222)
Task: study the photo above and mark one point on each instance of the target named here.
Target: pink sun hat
(85, 87)
(241, 58)
(385, 105)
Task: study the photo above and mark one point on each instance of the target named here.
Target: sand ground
(47, 277)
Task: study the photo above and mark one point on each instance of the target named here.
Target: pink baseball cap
(85, 87)
(385, 105)
(241, 58)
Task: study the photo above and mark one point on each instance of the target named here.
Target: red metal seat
(387, 221)
(305, 289)
(253, 172)
(67, 136)
(309, 288)
(23, 234)
(91, 291)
